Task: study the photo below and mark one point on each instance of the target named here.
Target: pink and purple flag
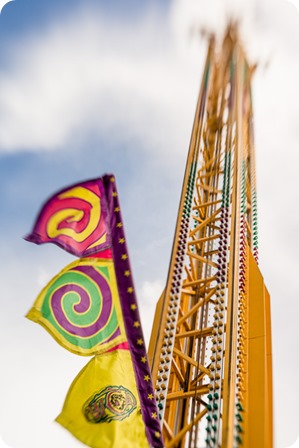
(75, 219)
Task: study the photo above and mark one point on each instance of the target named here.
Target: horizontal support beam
(197, 333)
(189, 394)
(203, 240)
(200, 280)
(206, 204)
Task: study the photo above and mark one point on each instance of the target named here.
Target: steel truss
(200, 345)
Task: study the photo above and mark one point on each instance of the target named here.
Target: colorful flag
(80, 307)
(90, 307)
(102, 407)
(75, 219)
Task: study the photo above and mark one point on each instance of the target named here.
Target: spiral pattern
(80, 307)
(75, 219)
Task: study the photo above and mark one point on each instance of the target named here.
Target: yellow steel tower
(210, 348)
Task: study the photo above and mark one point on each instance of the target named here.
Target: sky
(89, 87)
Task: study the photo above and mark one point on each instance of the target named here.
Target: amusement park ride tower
(210, 348)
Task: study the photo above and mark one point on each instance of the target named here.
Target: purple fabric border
(131, 315)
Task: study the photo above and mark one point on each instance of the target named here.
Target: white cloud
(3, 444)
(2, 4)
(295, 3)
(295, 445)
(84, 75)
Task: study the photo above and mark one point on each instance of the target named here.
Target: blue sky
(90, 86)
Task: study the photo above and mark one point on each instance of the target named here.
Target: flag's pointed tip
(57, 419)
(32, 238)
(33, 314)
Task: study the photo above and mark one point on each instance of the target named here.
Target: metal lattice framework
(201, 349)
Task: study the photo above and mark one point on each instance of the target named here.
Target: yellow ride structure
(210, 348)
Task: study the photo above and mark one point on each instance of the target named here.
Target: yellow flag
(102, 407)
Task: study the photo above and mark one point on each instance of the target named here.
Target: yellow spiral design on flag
(70, 215)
